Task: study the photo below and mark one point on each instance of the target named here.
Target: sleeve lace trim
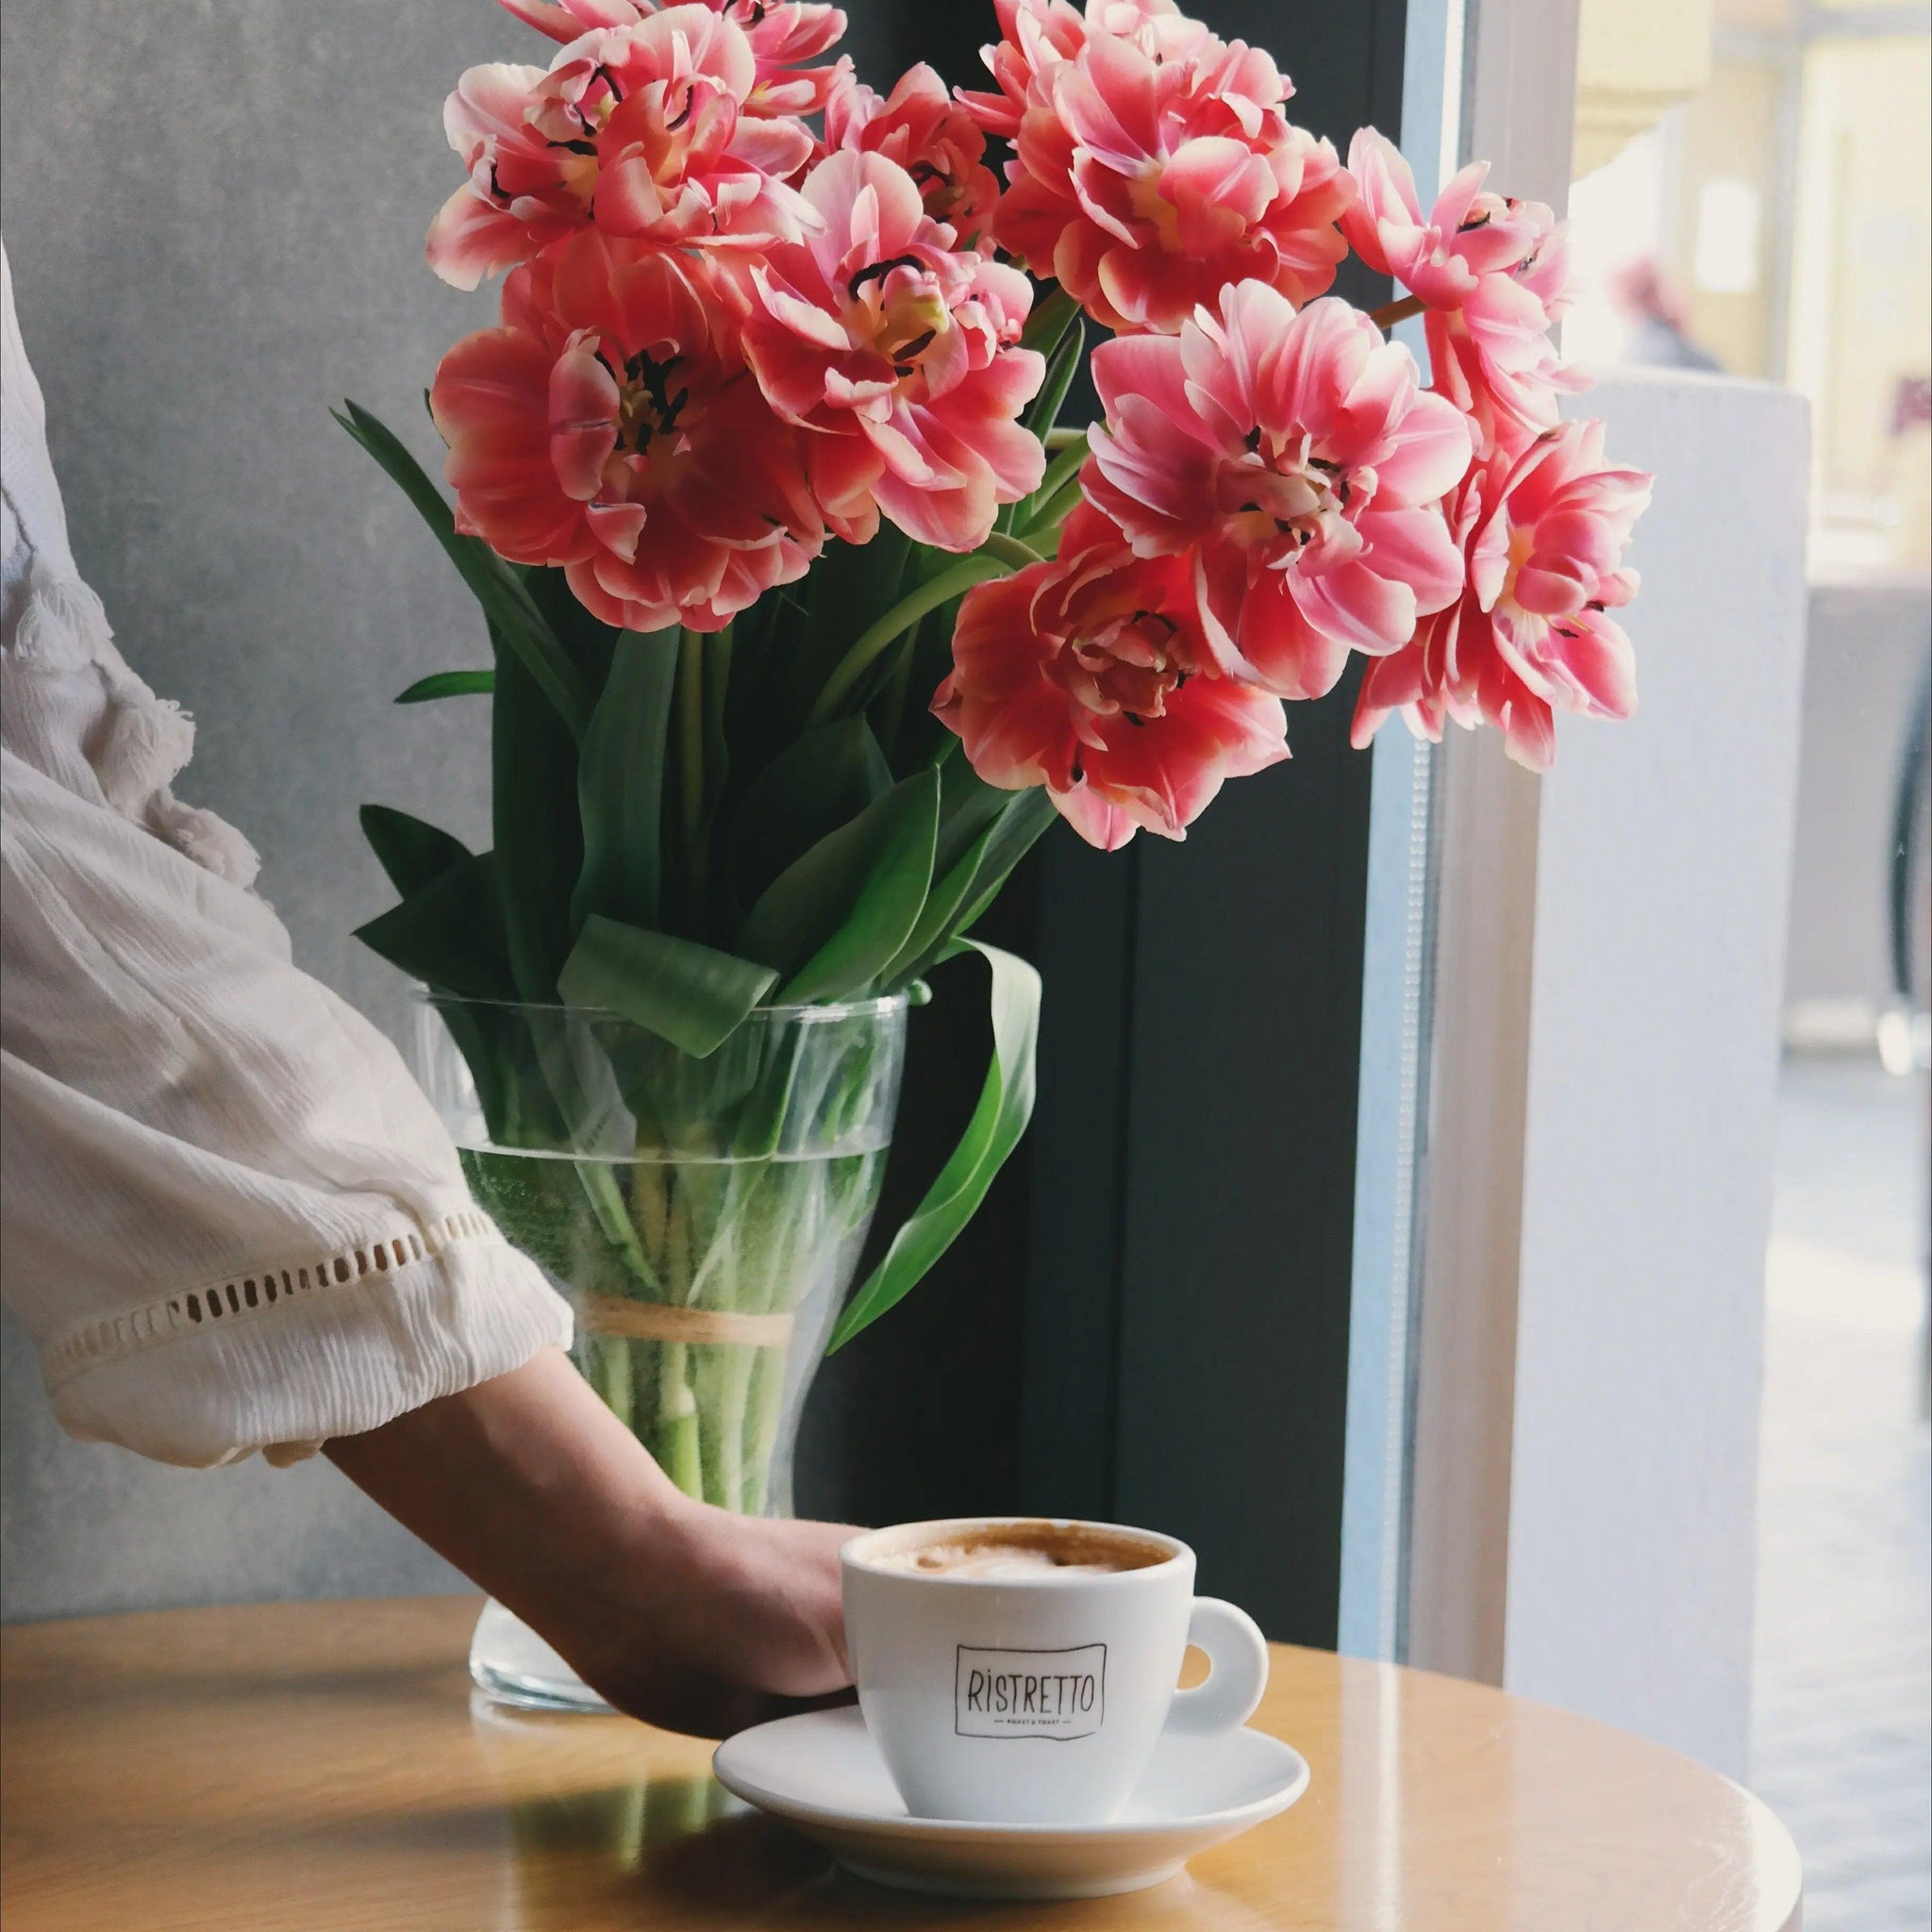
(228, 1302)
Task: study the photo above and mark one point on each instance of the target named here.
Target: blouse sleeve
(231, 1221)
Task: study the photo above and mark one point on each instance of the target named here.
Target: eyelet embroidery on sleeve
(229, 1301)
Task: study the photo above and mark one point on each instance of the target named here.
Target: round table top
(323, 1768)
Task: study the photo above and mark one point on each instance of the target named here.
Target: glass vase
(704, 1216)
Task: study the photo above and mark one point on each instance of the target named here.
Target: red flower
(901, 354)
(1296, 456)
(781, 32)
(1155, 166)
(1035, 37)
(1544, 533)
(610, 425)
(934, 138)
(1089, 676)
(644, 130)
(1494, 273)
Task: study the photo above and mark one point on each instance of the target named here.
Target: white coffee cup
(1037, 1697)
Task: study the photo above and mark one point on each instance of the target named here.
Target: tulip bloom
(781, 32)
(1493, 275)
(934, 138)
(1545, 534)
(1035, 37)
(900, 355)
(643, 130)
(1296, 456)
(1155, 165)
(1089, 676)
(609, 425)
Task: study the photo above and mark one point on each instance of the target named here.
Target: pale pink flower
(1544, 533)
(901, 354)
(1089, 676)
(1494, 273)
(1155, 165)
(1297, 455)
(930, 135)
(1035, 37)
(643, 130)
(782, 33)
(609, 425)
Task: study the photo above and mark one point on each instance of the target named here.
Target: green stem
(676, 1443)
(717, 650)
(607, 1203)
(691, 746)
(610, 1356)
(1010, 550)
(1065, 468)
(675, 1440)
(1053, 512)
(1391, 313)
(891, 698)
(1071, 437)
(942, 589)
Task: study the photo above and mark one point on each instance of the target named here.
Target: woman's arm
(679, 1614)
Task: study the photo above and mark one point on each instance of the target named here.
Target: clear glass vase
(703, 1217)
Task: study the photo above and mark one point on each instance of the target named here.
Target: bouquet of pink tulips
(806, 616)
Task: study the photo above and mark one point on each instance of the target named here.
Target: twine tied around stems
(604, 1314)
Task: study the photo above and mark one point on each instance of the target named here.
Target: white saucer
(821, 1772)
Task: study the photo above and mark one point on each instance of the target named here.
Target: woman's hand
(679, 1614)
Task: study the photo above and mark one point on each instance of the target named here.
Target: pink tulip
(781, 32)
(929, 134)
(901, 354)
(609, 425)
(1296, 455)
(1494, 273)
(1155, 165)
(1544, 533)
(644, 129)
(1035, 37)
(1089, 676)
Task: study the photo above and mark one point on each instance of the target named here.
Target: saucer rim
(903, 1824)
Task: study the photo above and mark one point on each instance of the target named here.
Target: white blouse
(229, 1217)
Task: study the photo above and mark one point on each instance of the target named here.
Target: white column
(1663, 874)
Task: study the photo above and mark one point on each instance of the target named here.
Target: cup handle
(1237, 1671)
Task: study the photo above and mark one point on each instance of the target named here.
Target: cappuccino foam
(1026, 1551)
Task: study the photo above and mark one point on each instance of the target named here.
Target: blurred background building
(1754, 196)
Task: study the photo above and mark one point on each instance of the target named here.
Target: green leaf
(409, 850)
(448, 684)
(1006, 1104)
(1058, 477)
(953, 581)
(1014, 835)
(539, 841)
(814, 786)
(1054, 313)
(494, 585)
(449, 933)
(588, 642)
(1005, 842)
(836, 917)
(687, 993)
(1044, 411)
(621, 783)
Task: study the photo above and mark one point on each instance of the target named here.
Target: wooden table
(322, 1767)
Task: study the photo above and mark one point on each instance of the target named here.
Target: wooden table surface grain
(323, 1768)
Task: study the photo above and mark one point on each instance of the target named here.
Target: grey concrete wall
(215, 212)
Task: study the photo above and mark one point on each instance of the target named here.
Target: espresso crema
(1019, 1552)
